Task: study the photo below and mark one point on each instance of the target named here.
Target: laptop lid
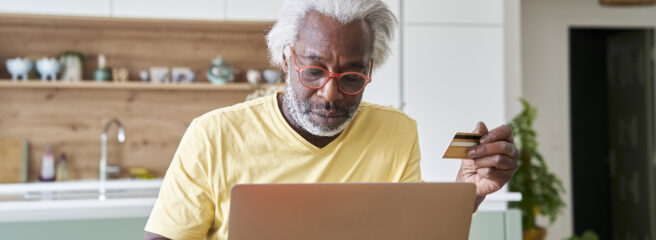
(346, 211)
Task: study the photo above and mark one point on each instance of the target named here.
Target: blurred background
(95, 96)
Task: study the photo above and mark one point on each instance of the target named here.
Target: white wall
(176, 9)
(546, 74)
(252, 10)
(249, 10)
(62, 7)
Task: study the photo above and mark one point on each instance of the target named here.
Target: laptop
(349, 211)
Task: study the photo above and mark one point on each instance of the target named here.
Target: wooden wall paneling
(72, 120)
(11, 157)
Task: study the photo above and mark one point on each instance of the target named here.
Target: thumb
(480, 128)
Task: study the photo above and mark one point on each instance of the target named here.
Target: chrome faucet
(103, 154)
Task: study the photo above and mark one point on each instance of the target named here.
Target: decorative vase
(102, 75)
(71, 64)
(219, 72)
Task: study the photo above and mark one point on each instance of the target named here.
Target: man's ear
(285, 66)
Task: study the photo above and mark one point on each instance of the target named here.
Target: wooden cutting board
(13, 160)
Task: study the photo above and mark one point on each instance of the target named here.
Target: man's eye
(352, 79)
(313, 72)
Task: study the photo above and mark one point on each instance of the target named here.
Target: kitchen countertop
(92, 208)
(75, 209)
(20, 188)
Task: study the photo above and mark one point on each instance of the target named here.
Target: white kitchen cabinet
(384, 88)
(385, 84)
(252, 10)
(453, 78)
(60, 7)
(189, 9)
(454, 12)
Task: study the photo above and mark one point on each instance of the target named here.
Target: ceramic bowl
(47, 67)
(19, 67)
(271, 76)
(253, 76)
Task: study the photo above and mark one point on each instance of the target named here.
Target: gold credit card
(460, 143)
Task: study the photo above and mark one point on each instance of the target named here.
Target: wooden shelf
(87, 84)
(136, 43)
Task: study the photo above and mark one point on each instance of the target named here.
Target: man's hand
(492, 162)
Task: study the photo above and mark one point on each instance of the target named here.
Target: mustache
(308, 106)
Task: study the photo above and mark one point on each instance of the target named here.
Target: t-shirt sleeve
(185, 206)
(412, 171)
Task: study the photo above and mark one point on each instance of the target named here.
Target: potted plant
(541, 190)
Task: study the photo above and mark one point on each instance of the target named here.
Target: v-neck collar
(281, 120)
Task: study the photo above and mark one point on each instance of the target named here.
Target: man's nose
(330, 92)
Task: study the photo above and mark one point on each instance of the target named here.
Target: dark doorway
(612, 129)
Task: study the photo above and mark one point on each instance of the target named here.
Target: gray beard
(299, 111)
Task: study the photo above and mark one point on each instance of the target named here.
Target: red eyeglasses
(315, 77)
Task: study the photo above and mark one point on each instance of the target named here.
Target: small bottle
(62, 169)
(102, 73)
(47, 166)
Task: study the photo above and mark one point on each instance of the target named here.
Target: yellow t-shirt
(252, 143)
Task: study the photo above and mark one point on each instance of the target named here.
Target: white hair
(374, 12)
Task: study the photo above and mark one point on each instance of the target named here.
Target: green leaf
(541, 190)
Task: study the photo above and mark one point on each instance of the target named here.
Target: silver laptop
(347, 211)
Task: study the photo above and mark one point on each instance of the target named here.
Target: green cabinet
(97, 229)
(495, 225)
(485, 225)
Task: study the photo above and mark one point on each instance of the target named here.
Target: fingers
(502, 162)
(497, 176)
(494, 148)
(480, 128)
(502, 133)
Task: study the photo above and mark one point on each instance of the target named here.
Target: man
(316, 131)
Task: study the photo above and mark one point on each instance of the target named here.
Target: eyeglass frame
(330, 75)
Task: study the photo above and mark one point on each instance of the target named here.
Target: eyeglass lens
(315, 77)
